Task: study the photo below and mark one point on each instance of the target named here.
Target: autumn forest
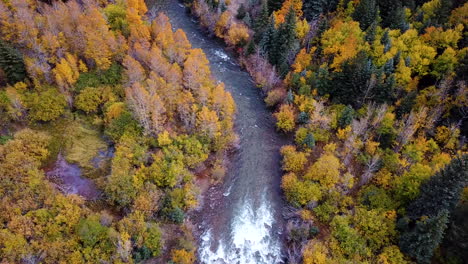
(135, 131)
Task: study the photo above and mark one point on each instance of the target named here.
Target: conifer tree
(423, 227)
(267, 42)
(241, 12)
(285, 38)
(313, 8)
(420, 241)
(346, 117)
(442, 191)
(393, 14)
(11, 62)
(261, 22)
(366, 13)
(274, 5)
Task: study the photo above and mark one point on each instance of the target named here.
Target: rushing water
(240, 222)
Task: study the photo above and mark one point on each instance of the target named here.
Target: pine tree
(267, 41)
(351, 84)
(250, 48)
(420, 241)
(309, 140)
(393, 14)
(346, 117)
(261, 22)
(274, 5)
(284, 42)
(366, 13)
(241, 12)
(11, 62)
(313, 8)
(423, 227)
(442, 191)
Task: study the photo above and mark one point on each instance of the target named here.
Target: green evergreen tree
(393, 14)
(422, 229)
(284, 43)
(303, 118)
(351, 84)
(12, 64)
(366, 13)
(261, 22)
(313, 8)
(442, 191)
(346, 117)
(420, 240)
(309, 140)
(384, 90)
(290, 97)
(370, 32)
(267, 43)
(241, 12)
(274, 5)
(250, 48)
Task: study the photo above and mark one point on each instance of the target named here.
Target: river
(241, 220)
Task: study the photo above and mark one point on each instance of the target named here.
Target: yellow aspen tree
(302, 28)
(100, 41)
(138, 5)
(325, 170)
(183, 256)
(208, 122)
(222, 102)
(459, 16)
(343, 41)
(293, 160)
(315, 252)
(66, 73)
(140, 33)
(286, 118)
(303, 60)
(157, 62)
(182, 46)
(437, 37)
(160, 23)
(222, 24)
(136, 9)
(158, 112)
(196, 71)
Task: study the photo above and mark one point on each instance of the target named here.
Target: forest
(372, 96)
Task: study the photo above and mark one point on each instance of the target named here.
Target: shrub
(275, 97)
